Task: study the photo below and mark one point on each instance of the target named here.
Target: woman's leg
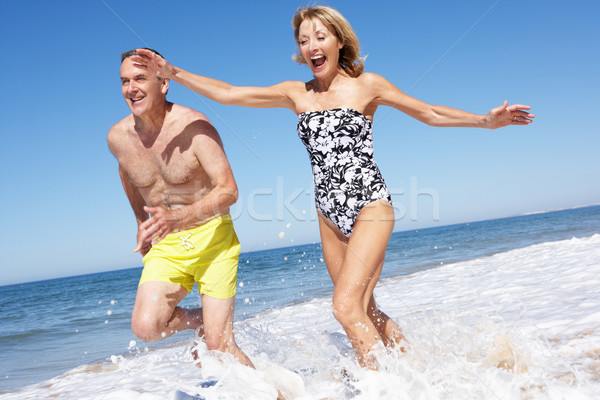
(370, 218)
(354, 266)
(388, 329)
(335, 245)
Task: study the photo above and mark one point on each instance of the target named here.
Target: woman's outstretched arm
(247, 96)
(385, 93)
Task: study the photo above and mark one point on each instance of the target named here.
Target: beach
(500, 309)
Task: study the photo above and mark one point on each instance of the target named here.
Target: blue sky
(64, 210)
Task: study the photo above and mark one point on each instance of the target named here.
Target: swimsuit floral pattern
(340, 146)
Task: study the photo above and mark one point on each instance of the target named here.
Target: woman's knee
(346, 311)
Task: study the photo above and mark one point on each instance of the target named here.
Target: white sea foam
(524, 324)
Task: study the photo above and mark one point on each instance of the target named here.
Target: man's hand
(154, 229)
(142, 247)
(508, 115)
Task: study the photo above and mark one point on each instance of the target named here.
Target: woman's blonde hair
(350, 59)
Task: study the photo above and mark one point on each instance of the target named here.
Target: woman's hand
(154, 64)
(505, 115)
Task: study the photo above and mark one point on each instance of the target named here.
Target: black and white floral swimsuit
(340, 146)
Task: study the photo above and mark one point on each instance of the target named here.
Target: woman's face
(319, 47)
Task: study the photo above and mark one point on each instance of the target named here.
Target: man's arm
(137, 204)
(208, 150)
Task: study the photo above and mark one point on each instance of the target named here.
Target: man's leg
(155, 314)
(218, 327)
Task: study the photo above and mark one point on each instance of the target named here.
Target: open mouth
(135, 99)
(318, 61)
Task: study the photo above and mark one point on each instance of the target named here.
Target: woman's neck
(324, 84)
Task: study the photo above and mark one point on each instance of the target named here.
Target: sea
(499, 309)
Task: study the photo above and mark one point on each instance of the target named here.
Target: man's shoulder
(187, 114)
(192, 122)
(122, 125)
(117, 131)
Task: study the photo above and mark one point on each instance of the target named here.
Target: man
(180, 186)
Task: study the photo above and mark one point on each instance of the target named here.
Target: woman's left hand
(505, 115)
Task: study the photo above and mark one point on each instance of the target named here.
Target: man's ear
(164, 87)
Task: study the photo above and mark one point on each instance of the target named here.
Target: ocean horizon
(501, 308)
(140, 267)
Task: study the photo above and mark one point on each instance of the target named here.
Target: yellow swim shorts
(207, 254)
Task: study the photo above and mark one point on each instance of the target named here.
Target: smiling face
(319, 47)
(142, 92)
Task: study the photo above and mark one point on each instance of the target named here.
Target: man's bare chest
(149, 167)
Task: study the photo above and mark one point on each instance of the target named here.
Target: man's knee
(147, 328)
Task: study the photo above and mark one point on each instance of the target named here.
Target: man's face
(142, 92)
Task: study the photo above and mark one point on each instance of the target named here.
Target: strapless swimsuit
(340, 146)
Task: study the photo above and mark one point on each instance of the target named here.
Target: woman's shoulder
(290, 90)
(371, 78)
(375, 84)
(293, 85)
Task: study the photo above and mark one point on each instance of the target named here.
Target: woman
(335, 112)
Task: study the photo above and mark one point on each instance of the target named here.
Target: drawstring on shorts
(186, 242)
